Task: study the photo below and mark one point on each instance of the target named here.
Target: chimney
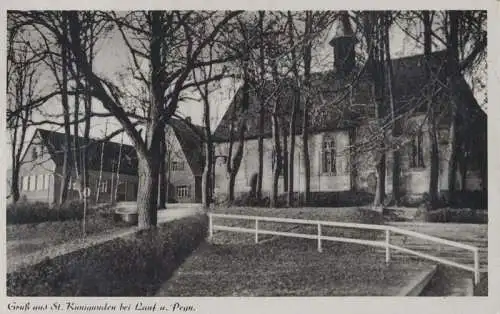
(343, 42)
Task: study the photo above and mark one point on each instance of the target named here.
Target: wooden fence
(319, 237)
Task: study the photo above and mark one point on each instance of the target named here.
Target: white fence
(321, 237)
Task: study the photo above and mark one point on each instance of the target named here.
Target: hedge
(452, 215)
(133, 266)
(24, 212)
(317, 199)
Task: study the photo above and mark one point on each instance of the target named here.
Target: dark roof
(335, 105)
(54, 141)
(190, 137)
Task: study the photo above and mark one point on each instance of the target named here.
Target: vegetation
(133, 266)
(28, 238)
(24, 212)
(266, 53)
(289, 267)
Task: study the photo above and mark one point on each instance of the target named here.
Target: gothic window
(329, 160)
(417, 152)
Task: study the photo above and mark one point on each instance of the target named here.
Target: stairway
(471, 234)
(448, 280)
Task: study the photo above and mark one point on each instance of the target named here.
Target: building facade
(40, 174)
(343, 130)
(112, 168)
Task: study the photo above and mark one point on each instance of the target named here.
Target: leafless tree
(22, 84)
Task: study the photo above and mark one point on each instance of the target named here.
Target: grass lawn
(27, 238)
(289, 267)
(232, 265)
(346, 214)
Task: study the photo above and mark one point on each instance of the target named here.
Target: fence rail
(321, 237)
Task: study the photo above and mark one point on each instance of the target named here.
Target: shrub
(460, 199)
(24, 212)
(318, 199)
(453, 215)
(133, 266)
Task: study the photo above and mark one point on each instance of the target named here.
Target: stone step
(449, 281)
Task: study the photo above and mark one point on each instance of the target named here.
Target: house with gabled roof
(343, 131)
(112, 167)
(41, 169)
(184, 161)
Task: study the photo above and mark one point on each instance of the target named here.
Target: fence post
(256, 231)
(210, 226)
(387, 248)
(476, 266)
(319, 239)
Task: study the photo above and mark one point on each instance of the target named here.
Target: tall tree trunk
(149, 161)
(380, 190)
(14, 184)
(147, 193)
(285, 159)
(161, 174)
(76, 143)
(167, 179)
(352, 160)
(278, 164)
(16, 151)
(207, 175)
(148, 149)
(377, 67)
(295, 109)
(305, 119)
(87, 102)
(66, 169)
(453, 75)
(395, 125)
(262, 97)
(291, 156)
(434, 154)
(209, 156)
(101, 164)
(118, 169)
(235, 162)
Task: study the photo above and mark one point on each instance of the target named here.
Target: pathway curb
(416, 286)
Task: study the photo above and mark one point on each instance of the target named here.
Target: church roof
(339, 101)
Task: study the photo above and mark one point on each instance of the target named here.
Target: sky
(112, 57)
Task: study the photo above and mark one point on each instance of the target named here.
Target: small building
(41, 169)
(184, 161)
(112, 167)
